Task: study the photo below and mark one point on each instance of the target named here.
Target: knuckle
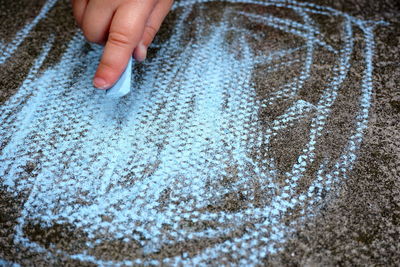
(119, 39)
(149, 34)
(151, 30)
(107, 66)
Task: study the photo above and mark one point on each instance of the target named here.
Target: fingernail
(142, 52)
(100, 83)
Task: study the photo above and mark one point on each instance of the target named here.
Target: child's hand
(126, 27)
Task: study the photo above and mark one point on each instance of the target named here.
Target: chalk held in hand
(123, 85)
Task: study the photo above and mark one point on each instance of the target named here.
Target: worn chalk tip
(123, 86)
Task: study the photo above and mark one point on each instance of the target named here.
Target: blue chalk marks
(188, 136)
(9, 264)
(7, 50)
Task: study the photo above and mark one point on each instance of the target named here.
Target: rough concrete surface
(264, 204)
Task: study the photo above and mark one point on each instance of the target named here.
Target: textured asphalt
(355, 223)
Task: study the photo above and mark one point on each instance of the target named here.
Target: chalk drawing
(7, 50)
(158, 158)
(9, 264)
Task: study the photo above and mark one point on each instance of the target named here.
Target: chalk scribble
(7, 263)
(6, 51)
(154, 162)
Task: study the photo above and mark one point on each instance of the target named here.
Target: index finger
(125, 33)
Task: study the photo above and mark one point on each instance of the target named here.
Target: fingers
(97, 20)
(125, 33)
(79, 7)
(151, 28)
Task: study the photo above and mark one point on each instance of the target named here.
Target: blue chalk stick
(123, 85)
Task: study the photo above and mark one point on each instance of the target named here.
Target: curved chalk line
(192, 121)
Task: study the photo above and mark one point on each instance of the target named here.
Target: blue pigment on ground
(7, 50)
(190, 120)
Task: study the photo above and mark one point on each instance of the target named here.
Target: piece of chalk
(123, 85)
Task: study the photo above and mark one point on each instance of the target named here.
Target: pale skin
(125, 27)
